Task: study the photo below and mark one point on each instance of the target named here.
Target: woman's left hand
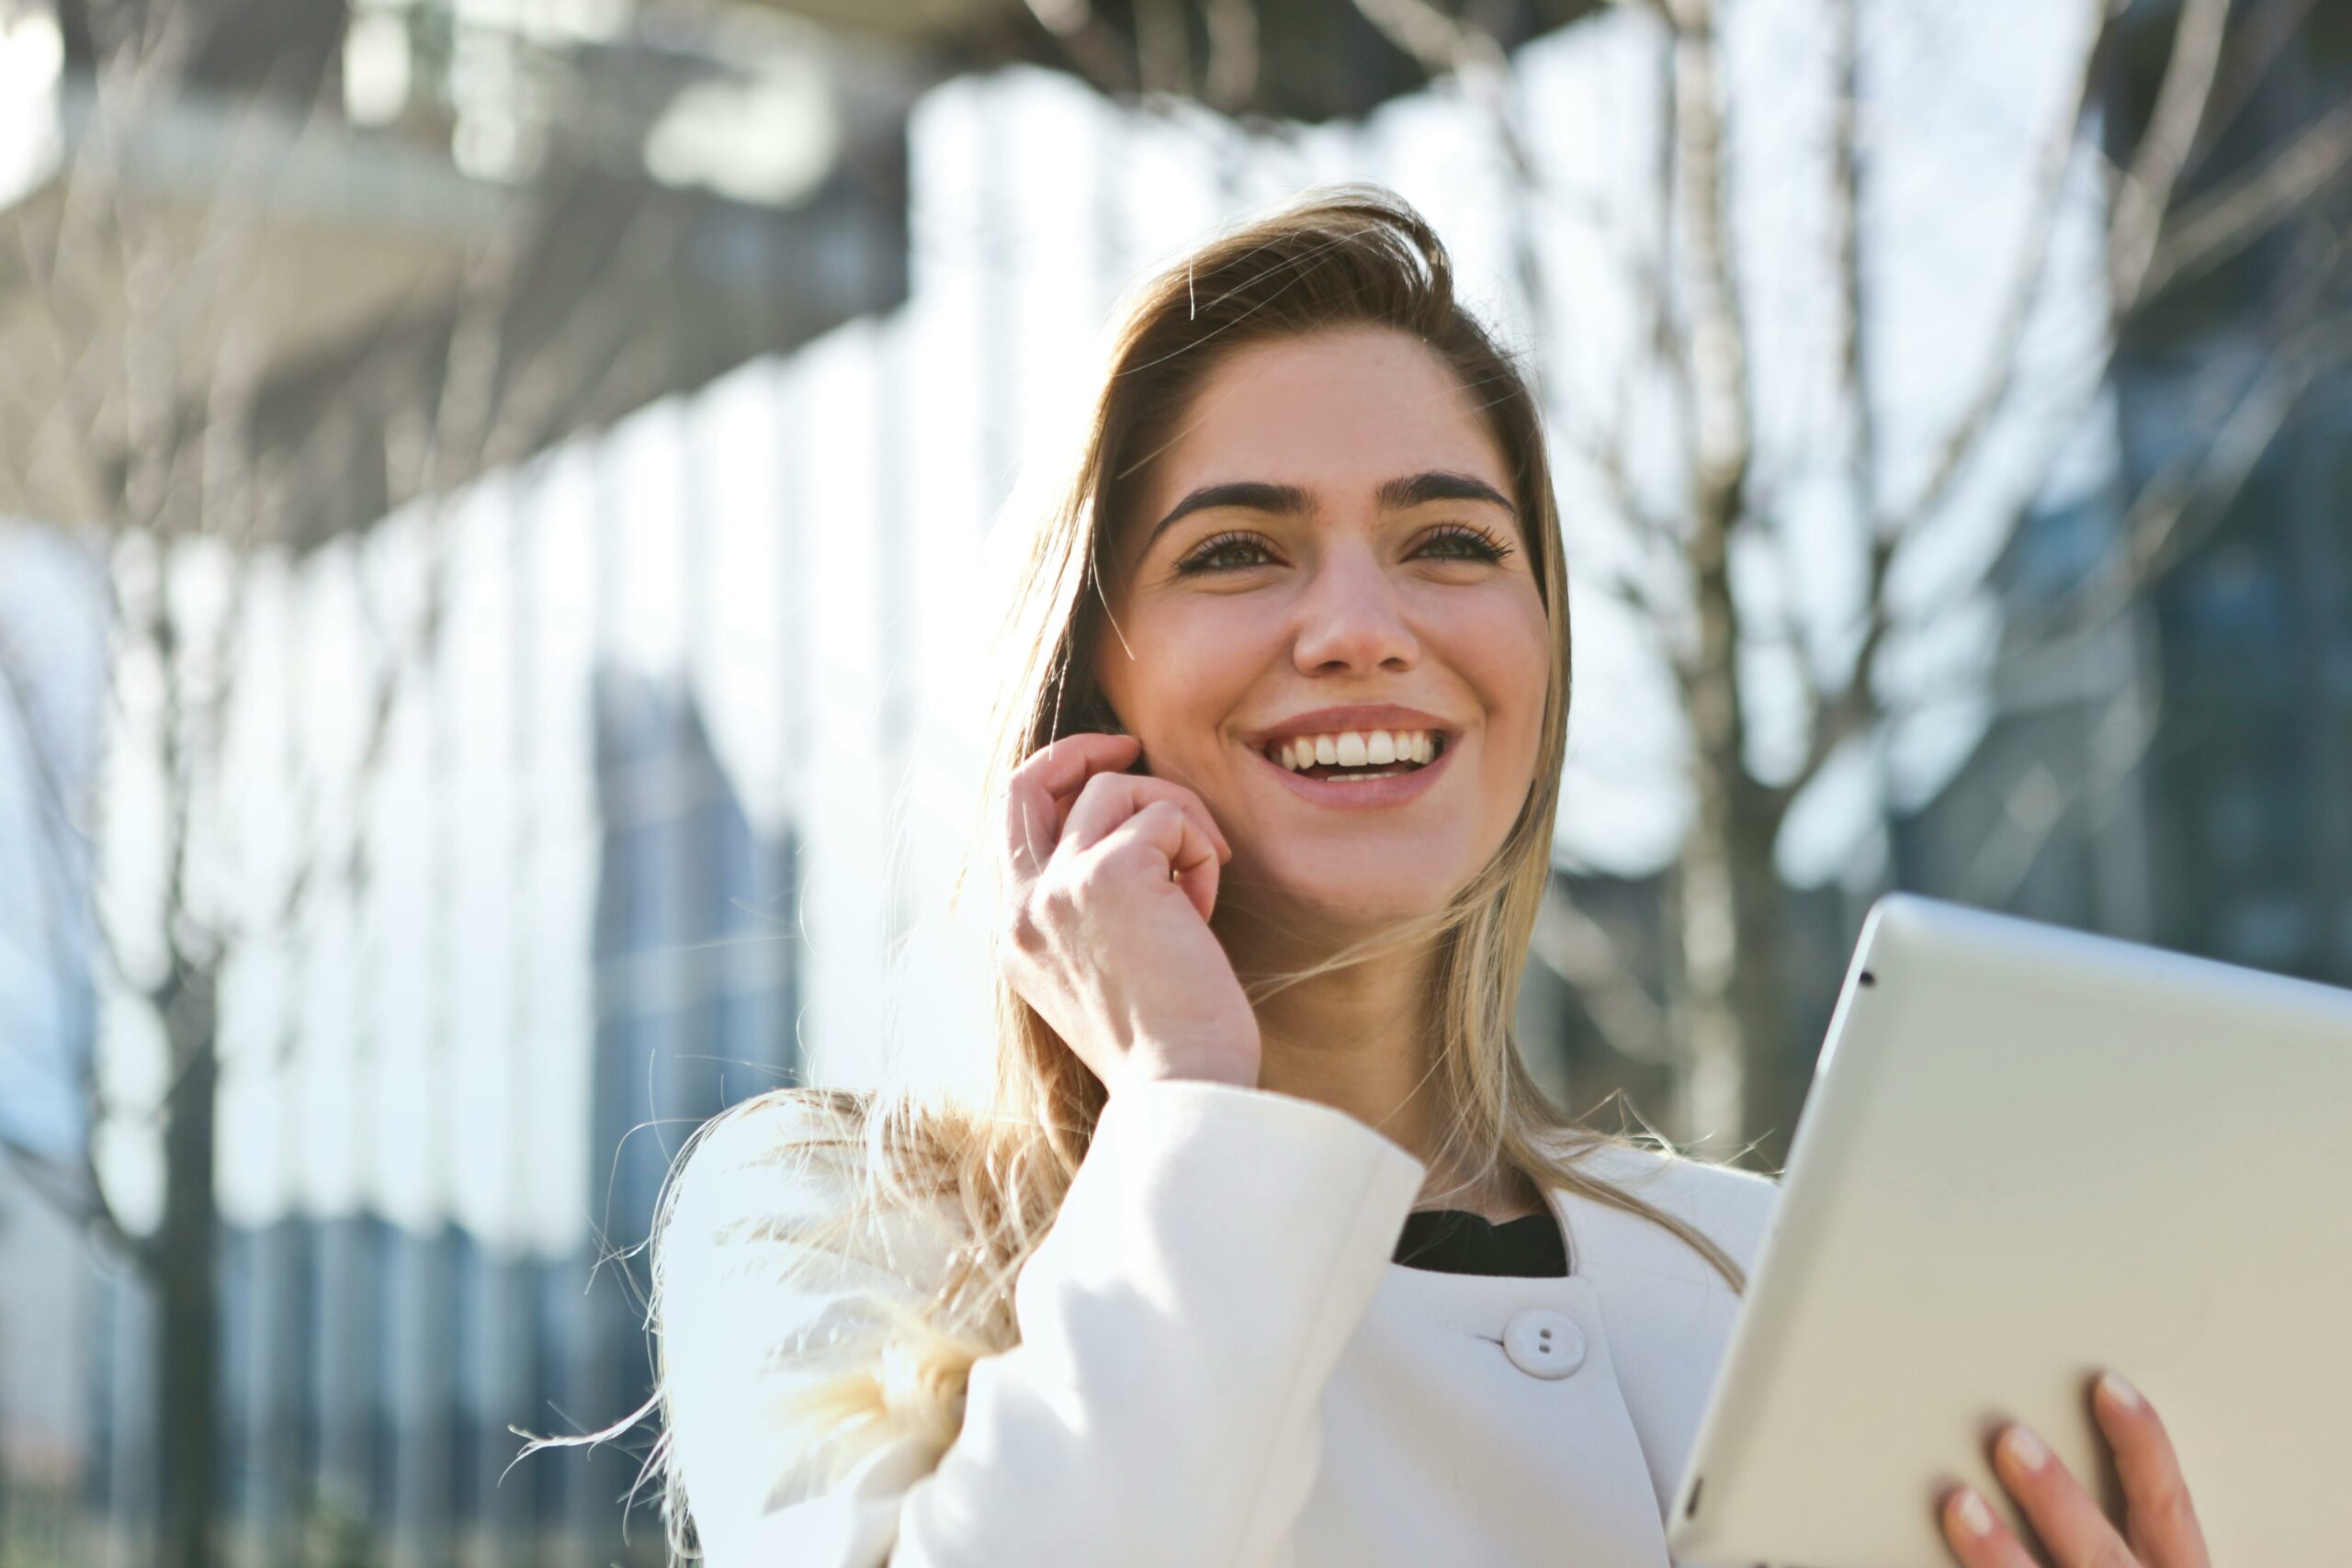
(2160, 1527)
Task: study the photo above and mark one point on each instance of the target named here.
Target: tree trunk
(1745, 1073)
(1773, 1088)
(1727, 897)
(187, 1256)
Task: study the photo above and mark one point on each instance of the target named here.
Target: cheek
(1512, 669)
(1185, 669)
(1505, 652)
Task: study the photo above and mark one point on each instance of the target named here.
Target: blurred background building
(572, 435)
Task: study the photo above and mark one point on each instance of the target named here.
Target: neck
(1356, 1040)
(1360, 1040)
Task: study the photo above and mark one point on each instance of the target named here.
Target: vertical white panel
(559, 898)
(734, 458)
(843, 905)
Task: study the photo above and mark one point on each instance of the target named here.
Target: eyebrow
(1394, 495)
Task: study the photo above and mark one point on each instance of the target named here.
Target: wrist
(1148, 1065)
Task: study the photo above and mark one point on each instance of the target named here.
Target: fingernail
(2026, 1449)
(2123, 1392)
(1975, 1517)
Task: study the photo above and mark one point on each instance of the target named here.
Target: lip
(1363, 715)
(1370, 794)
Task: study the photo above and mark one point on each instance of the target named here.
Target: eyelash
(1488, 548)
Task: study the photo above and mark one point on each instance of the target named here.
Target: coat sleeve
(1178, 1324)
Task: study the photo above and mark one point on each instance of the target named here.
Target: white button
(1545, 1344)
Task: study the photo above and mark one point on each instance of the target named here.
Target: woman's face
(1321, 534)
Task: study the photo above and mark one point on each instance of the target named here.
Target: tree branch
(2172, 514)
(1580, 949)
(1722, 438)
(74, 1191)
(2226, 221)
(1854, 709)
(2144, 195)
(2197, 489)
(2025, 282)
(577, 367)
(2032, 809)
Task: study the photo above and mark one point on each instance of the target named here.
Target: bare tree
(171, 431)
(1726, 1019)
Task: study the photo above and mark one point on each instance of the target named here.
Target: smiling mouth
(1293, 756)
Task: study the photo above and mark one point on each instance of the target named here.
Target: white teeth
(1357, 749)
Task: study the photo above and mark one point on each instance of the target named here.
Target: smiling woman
(1284, 704)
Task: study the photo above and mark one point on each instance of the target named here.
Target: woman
(1267, 1249)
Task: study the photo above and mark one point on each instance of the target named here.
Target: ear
(1100, 718)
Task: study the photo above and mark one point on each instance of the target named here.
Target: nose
(1352, 617)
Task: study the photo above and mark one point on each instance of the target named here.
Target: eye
(1478, 543)
(1205, 557)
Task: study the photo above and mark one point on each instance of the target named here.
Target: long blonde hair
(996, 1173)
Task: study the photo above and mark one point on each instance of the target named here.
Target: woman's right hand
(1110, 881)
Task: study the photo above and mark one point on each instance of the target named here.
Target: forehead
(1335, 413)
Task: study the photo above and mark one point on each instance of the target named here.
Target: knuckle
(1061, 892)
(2171, 1507)
(1021, 856)
(1020, 929)
(1122, 854)
(1186, 800)
(1089, 875)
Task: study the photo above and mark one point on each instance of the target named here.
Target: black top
(1455, 1241)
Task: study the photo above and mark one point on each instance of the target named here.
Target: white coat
(1220, 1366)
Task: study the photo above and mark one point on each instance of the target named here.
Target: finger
(1066, 803)
(1032, 823)
(1067, 800)
(2069, 1521)
(1976, 1534)
(1109, 800)
(1172, 834)
(2159, 1520)
(1153, 787)
(1062, 767)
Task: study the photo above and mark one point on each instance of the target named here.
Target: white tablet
(2029, 1154)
